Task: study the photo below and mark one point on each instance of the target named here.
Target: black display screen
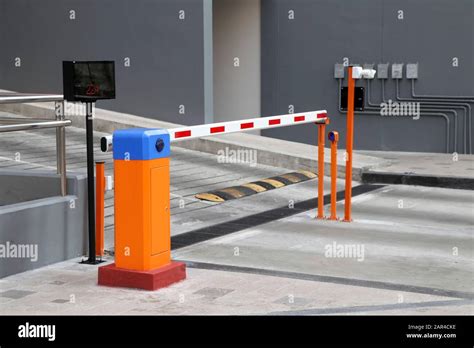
(88, 81)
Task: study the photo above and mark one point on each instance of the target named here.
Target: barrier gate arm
(193, 132)
(142, 196)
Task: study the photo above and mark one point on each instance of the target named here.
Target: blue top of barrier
(141, 144)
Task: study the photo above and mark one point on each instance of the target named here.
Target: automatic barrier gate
(142, 196)
(142, 212)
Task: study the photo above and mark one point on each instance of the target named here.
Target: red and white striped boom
(192, 132)
(204, 130)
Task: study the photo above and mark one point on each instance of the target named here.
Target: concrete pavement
(409, 249)
(416, 259)
(401, 236)
(69, 288)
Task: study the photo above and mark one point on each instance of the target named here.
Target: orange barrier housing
(142, 214)
(99, 207)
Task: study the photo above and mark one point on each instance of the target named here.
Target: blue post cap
(141, 144)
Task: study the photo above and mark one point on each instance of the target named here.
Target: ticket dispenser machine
(142, 212)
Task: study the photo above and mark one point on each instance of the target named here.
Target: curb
(418, 180)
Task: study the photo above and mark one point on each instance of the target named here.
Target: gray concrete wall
(55, 225)
(166, 53)
(18, 187)
(169, 69)
(2, 35)
(236, 36)
(298, 58)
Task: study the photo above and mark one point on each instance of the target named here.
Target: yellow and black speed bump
(254, 187)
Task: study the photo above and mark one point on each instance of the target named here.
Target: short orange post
(99, 207)
(321, 141)
(349, 144)
(333, 138)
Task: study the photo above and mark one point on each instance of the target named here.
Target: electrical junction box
(368, 66)
(382, 71)
(359, 93)
(397, 71)
(88, 81)
(412, 71)
(338, 71)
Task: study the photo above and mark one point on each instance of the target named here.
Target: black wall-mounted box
(88, 81)
(358, 98)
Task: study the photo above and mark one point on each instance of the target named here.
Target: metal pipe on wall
(466, 107)
(439, 114)
(373, 106)
(454, 99)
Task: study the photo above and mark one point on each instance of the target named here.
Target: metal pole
(349, 144)
(321, 138)
(61, 148)
(334, 138)
(58, 151)
(100, 197)
(90, 182)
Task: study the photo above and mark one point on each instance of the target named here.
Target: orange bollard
(99, 207)
(349, 144)
(321, 138)
(333, 138)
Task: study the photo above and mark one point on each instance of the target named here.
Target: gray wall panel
(298, 58)
(166, 53)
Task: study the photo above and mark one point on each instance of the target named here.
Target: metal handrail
(34, 125)
(14, 98)
(6, 120)
(60, 123)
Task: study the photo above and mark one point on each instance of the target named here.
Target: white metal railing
(13, 98)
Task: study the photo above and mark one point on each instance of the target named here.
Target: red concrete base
(155, 279)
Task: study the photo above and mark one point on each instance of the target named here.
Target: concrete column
(236, 59)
